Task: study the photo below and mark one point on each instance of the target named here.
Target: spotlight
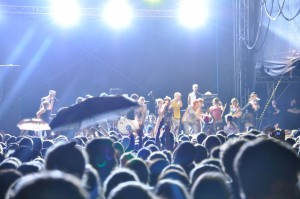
(66, 12)
(192, 13)
(118, 13)
(153, 2)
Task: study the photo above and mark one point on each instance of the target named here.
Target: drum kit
(126, 126)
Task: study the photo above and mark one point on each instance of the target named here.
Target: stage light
(65, 12)
(192, 13)
(118, 13)
(153, 2)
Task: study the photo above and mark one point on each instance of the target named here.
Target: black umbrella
(91, 111)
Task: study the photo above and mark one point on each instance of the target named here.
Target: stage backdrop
(154, 54)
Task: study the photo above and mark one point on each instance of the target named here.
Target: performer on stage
(251, 111)
(216, 111)
(230, 127)
(192, 117)
(176, 104)
(159, 116)
(235, 111)
(193, 95)
(45, 110)
(167, 112)
(141, 112)
(46, 106)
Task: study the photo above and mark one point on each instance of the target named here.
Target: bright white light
(118, 13)
(65, 12)
(192, 13)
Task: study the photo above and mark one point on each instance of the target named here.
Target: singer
(46, 106)
(45, 111)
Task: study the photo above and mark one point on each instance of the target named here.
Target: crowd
(252, 165)
(202, 159)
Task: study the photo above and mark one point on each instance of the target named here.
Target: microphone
(149, 94)
(56, 99)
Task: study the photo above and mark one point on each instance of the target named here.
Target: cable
(257, 34)
(270, 14)
(285, 17)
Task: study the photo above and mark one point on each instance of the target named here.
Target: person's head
(196, 103)
(119, 149)
(102, 156)
(159, 102)
(37, 143)
(201, 137)
(228, 118)
(140, 168)
(200, 169)
(27, 142)
(177, 96)
(52, 93)
(143, 153)
(184, 154)
(66, 157)
(211, 141)
(229, 151)
(267, 169)
(155, 168)
(253, 96)
(10, 163)
(201, 101)
(91, 182)
(168, 188)
(173, 174)
(216, 101)
(7, 178)
(47, 185)
(201, 153)
(131, 189)
(210, 185)
(195, 88)
(141, 100)
(157, 155)
(30, 167)
(167, 100)
(116, 177)
(125, 157)
(234, 102)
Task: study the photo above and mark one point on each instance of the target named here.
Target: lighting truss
(88, 12)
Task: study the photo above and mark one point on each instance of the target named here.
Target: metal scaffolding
(87, 12)
(241, 35)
